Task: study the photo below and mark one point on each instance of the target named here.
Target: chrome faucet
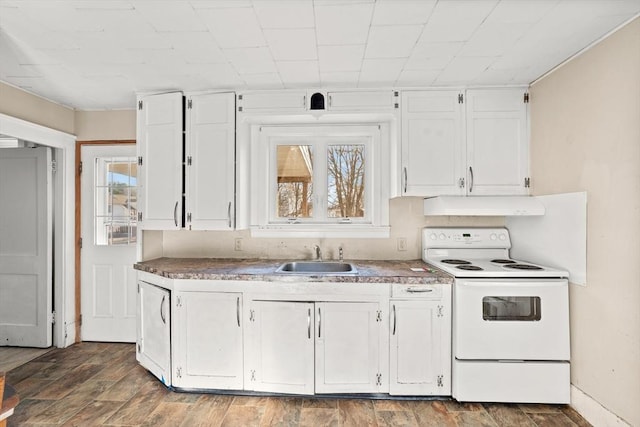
(318, 252)
(340, 254)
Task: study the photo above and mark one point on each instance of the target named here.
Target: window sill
(322, 231)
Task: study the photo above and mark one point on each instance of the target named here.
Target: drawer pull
(419, 291)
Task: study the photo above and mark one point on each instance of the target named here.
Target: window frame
(266, 138)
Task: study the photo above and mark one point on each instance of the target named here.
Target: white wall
(585, 136)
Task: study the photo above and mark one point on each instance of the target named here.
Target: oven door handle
(507, 285)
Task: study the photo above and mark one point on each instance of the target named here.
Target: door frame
(63, 205)
(78, 225)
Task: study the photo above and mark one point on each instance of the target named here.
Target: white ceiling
(96, 54)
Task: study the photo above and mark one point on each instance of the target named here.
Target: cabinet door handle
(175, 214)
(470, 179)
(238, 310)
(162, 316)
(419, 291)
(405, 179)
(395, 320)
(309, 324)
(229, 214)
(319, 323)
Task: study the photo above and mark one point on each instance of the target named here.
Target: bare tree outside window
(345, 164)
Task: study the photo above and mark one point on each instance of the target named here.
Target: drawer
(432, 291)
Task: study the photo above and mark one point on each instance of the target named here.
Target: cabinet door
(419, 348)
(433, 155)
(361, 100)
(207, 340)
(159, 144)
(497, 142)
(348, 348)
(153, 348)
(210, 162)
(258, 102)
(281, 347)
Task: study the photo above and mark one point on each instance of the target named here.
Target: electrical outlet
(238, 245)
(402, 244)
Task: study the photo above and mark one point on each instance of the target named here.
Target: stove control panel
(465, 237)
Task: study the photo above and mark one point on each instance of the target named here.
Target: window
(115, 201)
(319, 178)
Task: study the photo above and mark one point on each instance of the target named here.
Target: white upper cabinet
(362, 100)
(210, 162)
(432, 143)
(464, 143)
(259, 102)
(159, 144)
(497, 142)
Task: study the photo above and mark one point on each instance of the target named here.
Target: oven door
(511, 319)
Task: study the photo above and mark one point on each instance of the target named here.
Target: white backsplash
(407, 220)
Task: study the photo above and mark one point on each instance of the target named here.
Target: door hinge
(139, 348)
(139, 216)
(80, 168)
(189, 161)
(139, 105)
(440, 381)
(527, 182)
(179, 372)
(189, 104)
(379, 316)
(378, 379)
(460, 98)
(138, 287)
(526, 97)
(461, 182)
(52, 317)
(395, 95)
(253, 375)
(54, 166)
(189, 217)
(139, 160)
(80, 242)
(178, 301)
(440, 309)
(252, 316)
(80, 319)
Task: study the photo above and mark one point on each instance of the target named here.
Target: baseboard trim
(592, 411)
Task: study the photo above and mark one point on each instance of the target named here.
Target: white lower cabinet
(307, 347)
(420, 346)
(348, 347)
(153, 349)
(280, 357)
(207, 340)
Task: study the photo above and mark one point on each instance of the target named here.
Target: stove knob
(503, 236)
(433, 236)
(493, 236)
(442, 236)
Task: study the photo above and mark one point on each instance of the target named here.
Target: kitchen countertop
(265, 270)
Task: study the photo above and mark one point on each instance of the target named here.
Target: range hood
(483, 206)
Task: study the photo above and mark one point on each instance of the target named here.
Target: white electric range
(510, 318)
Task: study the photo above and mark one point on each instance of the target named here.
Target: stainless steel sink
(317, 267)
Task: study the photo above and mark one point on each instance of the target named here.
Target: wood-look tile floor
(93, 384)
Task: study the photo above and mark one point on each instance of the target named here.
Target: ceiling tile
(437, 50)
(220, 4)
(398, 12)
(462, 70)
(493, 39)
(395, 41)
(253, 60)
(521, 11)
(340, 78)
(343, 24)
(453, 21)
(292, 45)
(299, 73)
(116, 21)
(419, 63)
(197, 47)
(380, 71)
(263, 81)
(233, 27)
(340, 58)
(417, 77)
(170, 15)
(279, 14)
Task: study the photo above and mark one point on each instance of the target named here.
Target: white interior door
(25, 247)
(109, 221)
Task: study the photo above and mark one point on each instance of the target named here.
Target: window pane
(506, 308)
(295, 181)
(345, 164)
(115, 201)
